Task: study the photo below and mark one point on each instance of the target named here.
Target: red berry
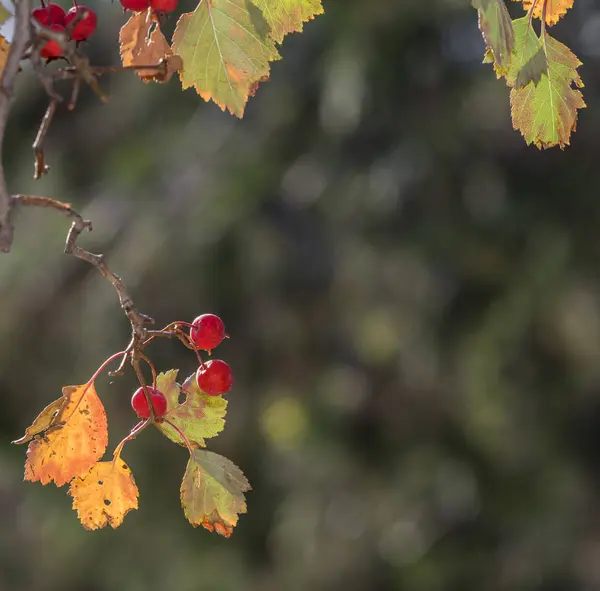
(52, 48)
(207, 331)
(86, 24)
(163, 5)
(140, 404)
(214, 377)
(52, 14)
(135, 5)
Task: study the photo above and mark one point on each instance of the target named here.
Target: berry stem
(182, 435)
(152, 368)
(132, 435)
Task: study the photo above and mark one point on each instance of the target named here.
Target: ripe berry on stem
(140, 404)
(52, 48)
(51, 14)
(214, 377)
(163, 5)
(135, 5)
(86, 24)
(207, 331)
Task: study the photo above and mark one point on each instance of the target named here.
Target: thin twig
(7, 81)
(40, 166)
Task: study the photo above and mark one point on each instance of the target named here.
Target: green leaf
(496, 28)
(212, 492)
(198, 417)
(533, 70)
(5, 14)
(546, 113)
(526, 48)
(288, 16)
(224, 55)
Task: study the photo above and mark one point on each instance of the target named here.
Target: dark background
(413, 297)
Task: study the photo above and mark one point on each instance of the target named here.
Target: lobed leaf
(496, 28)
(555, 9)
(73, 443)
(43, 421)
(142, 43)
(212, 492)
(198, 417)
(104, 495)
(287, 16)
(225, 52)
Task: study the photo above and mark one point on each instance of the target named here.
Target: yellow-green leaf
(5, 14)
(212, 492)
(496, 28)
(225, 55)
(546, 113)
(288, 16)
(198, 417)
(43, 421)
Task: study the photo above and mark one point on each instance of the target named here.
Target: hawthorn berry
(163, 5)
(52, 48)
(207, 331)
(135, 5)
(86, 24)
(214, 377)
(140, 404)
(51, 14)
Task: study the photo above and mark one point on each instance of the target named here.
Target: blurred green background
(413, 297)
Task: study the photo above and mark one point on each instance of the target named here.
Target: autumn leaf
(225, 54)
(104, 495)
(5, 14)
(546, 112)
(287, 16)
(198, 417)
(496, 27)
(555, 9)
(212, 492)
(42, 422)
(142, 43)
(4, 47)
(74, 442)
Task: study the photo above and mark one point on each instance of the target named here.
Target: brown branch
(7, 81)
(40, 166)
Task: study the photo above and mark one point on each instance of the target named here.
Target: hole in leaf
(106, 502)
(100, 482)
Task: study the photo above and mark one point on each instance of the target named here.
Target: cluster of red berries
(143, 5)
(213, 377)
(80, 22)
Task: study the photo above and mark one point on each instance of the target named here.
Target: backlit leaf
(546, 113)
(555, 9)
(212, 492)
(74, 443)
(4, 14)
(287, 16)
(225, 56)
(496, 27)
(4, 47)
(198, 417)
(104, 495)
(142, 44)
(42, 422)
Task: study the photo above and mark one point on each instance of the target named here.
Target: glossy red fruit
(140, 404)
(207, 331)
(135, 5)
(214, 377)
(52, 48)
(51, 14)
(163, 5)
(86, 24)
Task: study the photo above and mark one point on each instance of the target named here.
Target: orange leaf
(143, 44)
(555, 9)
(74, 443)
(104, 495)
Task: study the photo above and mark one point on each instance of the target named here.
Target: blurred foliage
(413, 300)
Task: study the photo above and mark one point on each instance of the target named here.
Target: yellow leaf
(287, 16)
(555, 9)
(143, 44)
(104, 495)
(212, 492)
(74, 443)
(4, 47)
(42, 422)
(225, 52)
